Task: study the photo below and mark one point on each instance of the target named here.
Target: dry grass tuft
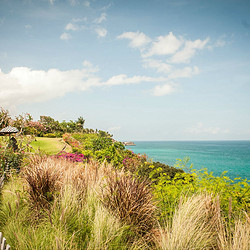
(44, 177)
(241, 235)
(192, 226)
(131, 200)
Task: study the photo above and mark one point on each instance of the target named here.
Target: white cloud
(165, 45)
(123, 79)
(101, 32)
(186, 72)
(189, 50)
(138, 39)
(199, 128)
(166, 89)
(101, 19)
(71, 26)
(160, 66)
(65, 36)
(24, 85)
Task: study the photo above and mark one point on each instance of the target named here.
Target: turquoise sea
(216, 156)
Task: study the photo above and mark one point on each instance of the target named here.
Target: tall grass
(44, 179)
(73, 217)
(131, 200)
(197, 223)
(93, 206)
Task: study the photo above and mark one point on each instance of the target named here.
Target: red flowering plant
(74, 157)
(71, 141)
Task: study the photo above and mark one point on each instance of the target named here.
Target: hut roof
(9, 130)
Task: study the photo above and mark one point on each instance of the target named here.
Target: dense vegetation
(103, 196)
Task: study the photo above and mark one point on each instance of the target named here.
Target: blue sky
(142, 70)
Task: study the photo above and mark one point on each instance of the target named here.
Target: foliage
(234, 194)
(34, 128)
(155, 170)
(50, 135)
(5, 118)
(10, 158)
(71, 156)
(97, 146)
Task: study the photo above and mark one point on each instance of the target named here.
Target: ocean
(216, 156)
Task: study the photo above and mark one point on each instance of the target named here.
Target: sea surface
(216, 156)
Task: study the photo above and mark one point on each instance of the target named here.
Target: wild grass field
(56, 204)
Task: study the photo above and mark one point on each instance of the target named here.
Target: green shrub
(155, 170)
(234, 194)
(50, 135)
(10, 160)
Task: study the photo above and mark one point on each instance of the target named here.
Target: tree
(5, 118)
(80, 122)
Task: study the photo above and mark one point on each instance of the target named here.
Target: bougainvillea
(71, 156)
(71, 141)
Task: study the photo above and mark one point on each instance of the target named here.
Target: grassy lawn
(50, 145)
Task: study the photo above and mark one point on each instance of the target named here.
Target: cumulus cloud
(200, 128)
(71, 26)
(165, 45)
(65, 36)
(189, 50)
(166, 89)
(165, 53)
(24, 85)
(101, 32)
(137, 39)
(101, 19)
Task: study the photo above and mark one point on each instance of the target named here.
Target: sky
(141, 70)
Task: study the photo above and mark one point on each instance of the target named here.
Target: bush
(234, 194)
(71, 157)
(154, 171)
(49, 135)
(10, 160)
